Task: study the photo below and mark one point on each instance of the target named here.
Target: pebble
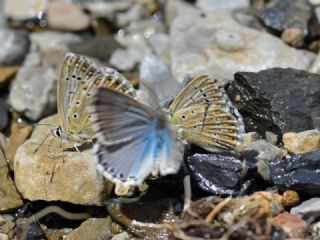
(210, 7)
(302, 142)
(7, 225)
(160, 43)
(175, 8)
(66, 16)
(9, 197)
(271, 137)
(14, 46)
(249, 138)
(53, 39)
(294, 226)
(265, 152)
(299, 172)
(33, 91)
(21, 10)
(92, 229)
(133, 13)
(156, 76)
(278, 16)
(196, 50)
(53, 174)
(106, 8)
(122, 60)
(308, 208)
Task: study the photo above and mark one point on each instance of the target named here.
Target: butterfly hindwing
(134, 141)
(206, 117)
(78, 76)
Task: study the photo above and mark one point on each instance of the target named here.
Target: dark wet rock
(14, 46)
(222, 174)
(300, 173)
(286, 15)
(99, 47)
(9, 197)
(309, 208)
(161, 203)
(276, 100)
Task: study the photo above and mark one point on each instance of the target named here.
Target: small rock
(21, 10)
(106, 8)
(293, 37)
(229, 173)
(218, 45)
(209, 6)
(122, 236)
(308, 208)
(133, 13)
(7, 225)
(300, 173)
(14, 46)
(146, 27)
(33, 91)
(29, 230)
(50, 39)
(45, 171)
(6, 74)
(122, 59)
(249, 138)
(315, 67)
(66, 16)
(9, 197)
(92, 229)
(302, 142)
(98, 47)
(175, 8)
(271, 138)
(160, 43)
(278, 16)
(265, 152)
(314, 2)
(19, 133)
(155, 75)
(4, 236)
(291, 224)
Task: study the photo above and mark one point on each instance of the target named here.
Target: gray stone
(49, 39)
(307, 208)
(156, 76)
(134, 13)
(160, 43)
(21, 10)
(146, 27)
(211, 6)
(106, 8)
(122, 59)
(175, 8)
(33, 90)
(271, 137)
(14, 46)
(219, 46)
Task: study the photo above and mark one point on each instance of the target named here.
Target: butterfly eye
(78, 103)
(183, 117)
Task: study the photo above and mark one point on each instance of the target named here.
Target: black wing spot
(75, 115)
(67, 79)
(73, 76)
(79, 78)
(183, 117)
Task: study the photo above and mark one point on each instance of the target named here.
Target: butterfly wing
(206, 117)
(133, 140)
(78, 76)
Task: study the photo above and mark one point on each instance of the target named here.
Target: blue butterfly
(133, 140)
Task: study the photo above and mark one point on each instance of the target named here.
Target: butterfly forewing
(78, 76)
(206, 117)
(134, 141)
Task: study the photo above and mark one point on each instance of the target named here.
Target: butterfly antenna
(41, 144)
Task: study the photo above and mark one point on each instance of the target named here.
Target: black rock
(300, 173)
(277, 100)
(223, 174)
(285, 14)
